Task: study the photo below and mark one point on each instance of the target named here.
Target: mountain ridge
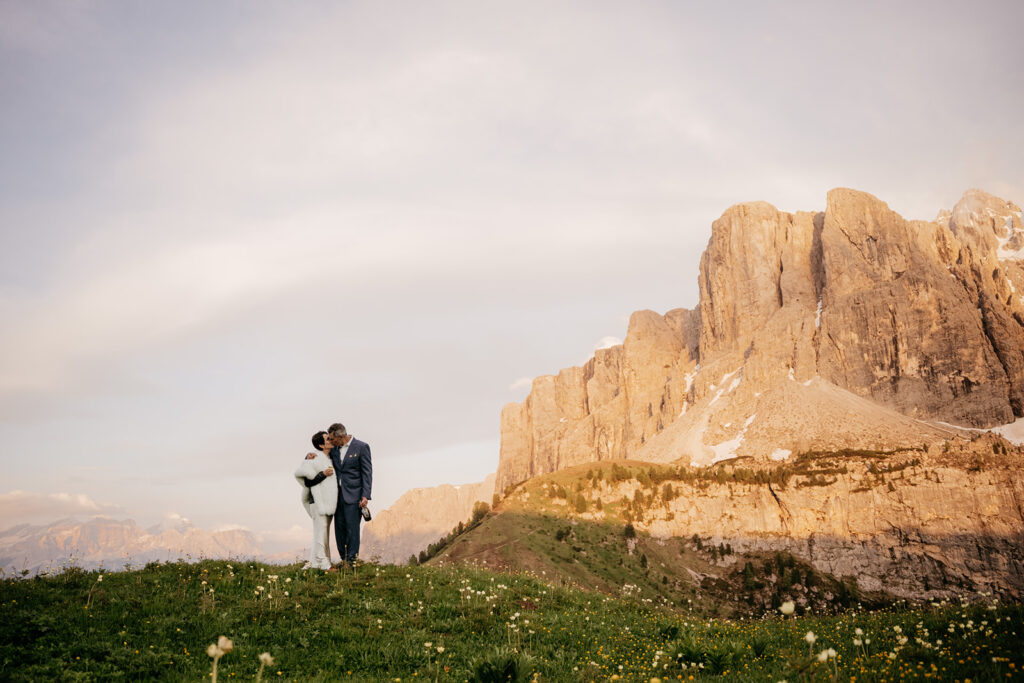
(108, 542)
(900, 330)
(421, 516)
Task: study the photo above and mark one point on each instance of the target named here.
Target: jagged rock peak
(848, 327)
(988, 223)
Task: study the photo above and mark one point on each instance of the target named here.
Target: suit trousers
(346, 529)
(320, 554)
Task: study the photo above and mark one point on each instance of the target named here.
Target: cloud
(25, 507)
(292, 539)
(294, 533)
(521, 383)
(131, 303)
(603, 343)
(39, 28)
(607, 343)
(243, 180)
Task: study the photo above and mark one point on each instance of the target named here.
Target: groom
(352, 466)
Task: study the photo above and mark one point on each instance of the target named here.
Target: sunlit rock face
(849, 327)
(420, 517)
(607, 409)
(936, 529)
(114, 543)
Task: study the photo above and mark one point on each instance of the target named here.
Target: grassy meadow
(385, 623)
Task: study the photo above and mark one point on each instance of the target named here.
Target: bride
(319, 498)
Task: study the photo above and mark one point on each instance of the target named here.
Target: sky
(224, 226)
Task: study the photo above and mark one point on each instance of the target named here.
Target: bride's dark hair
(318, 439)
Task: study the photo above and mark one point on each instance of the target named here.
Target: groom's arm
(315, 480)
(367, 472)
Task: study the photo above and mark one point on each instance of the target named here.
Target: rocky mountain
(420, 517)
(111, 543)
(941, 521)
(846, 328)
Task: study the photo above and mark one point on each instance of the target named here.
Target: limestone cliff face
(420, 517)
(606, 409)
(918, 318)
(937, 527)
(851, 327)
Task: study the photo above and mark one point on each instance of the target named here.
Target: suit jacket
(355, 474)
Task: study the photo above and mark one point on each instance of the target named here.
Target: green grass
(374, 624)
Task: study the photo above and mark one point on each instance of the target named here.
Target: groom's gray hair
(337, 428)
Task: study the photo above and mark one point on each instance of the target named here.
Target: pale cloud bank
(26, 507)
(607, 343)
(521, 383)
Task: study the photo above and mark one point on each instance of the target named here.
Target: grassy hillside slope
(679, 573)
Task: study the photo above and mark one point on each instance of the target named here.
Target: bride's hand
(329, 471)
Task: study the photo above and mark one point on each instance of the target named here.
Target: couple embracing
(336, 484)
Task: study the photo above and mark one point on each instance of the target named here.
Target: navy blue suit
(355, 480)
